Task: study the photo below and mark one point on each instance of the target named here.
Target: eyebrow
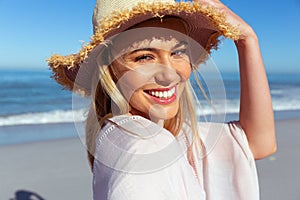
(182, 43)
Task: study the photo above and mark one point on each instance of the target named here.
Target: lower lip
(164, 101)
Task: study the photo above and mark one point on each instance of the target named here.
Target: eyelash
(143, 57)
(180, 51)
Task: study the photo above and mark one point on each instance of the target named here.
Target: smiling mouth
(162, 95)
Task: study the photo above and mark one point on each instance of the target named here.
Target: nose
(167, 74)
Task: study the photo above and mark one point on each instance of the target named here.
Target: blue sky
(32, 30)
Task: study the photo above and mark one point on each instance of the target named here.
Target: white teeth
(163, 94)
(156, 94)
(169, 93)
(160, 94)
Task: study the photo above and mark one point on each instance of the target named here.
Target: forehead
(166, 44)
(153, 33)
(137, 39)
(158, 34)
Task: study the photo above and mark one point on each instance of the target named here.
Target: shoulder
(230, 129)
(135, 144)
(228, 136)
(215, 130)
(134, 131)
(217, 137)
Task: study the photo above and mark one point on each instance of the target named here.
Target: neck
(158, 121)
(161, 122)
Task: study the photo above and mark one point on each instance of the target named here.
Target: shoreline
(31, 133)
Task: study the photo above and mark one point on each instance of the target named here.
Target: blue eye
(143, 57)
(179, 52)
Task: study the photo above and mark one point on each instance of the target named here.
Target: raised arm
(256, 113)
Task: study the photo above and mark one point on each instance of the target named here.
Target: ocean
(32, 98)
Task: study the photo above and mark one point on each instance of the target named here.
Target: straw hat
(204, 25)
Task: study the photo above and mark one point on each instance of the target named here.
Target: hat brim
(204, 24)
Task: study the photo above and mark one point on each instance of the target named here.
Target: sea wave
(55, 116)
(71, 116)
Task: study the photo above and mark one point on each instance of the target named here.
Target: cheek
(184, 69)
(129, 82)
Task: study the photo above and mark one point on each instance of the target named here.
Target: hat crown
(105, 8)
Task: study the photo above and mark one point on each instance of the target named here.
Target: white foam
(56, 116)
(292, 104)
(276, 91)
(65, 116)
(232, 106)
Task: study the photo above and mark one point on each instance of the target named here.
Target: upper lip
(161, 89)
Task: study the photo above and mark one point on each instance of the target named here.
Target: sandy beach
(58, 169)
(53, 170)
(279, 174)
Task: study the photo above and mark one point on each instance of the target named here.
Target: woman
(143, 138)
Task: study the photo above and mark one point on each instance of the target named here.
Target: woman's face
(151, 73)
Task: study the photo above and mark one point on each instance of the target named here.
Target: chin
(161, 113)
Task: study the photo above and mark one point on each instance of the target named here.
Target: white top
(137, 159)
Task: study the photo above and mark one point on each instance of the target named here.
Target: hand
(245, 30)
